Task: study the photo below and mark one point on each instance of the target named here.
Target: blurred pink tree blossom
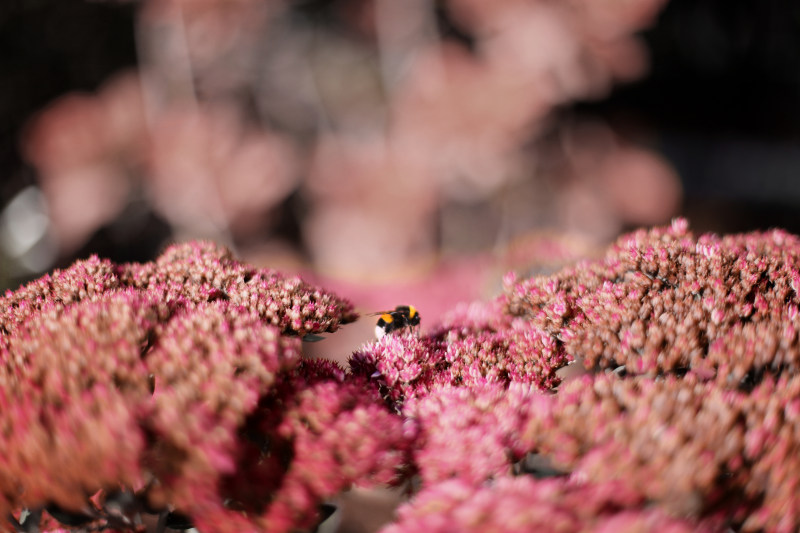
(371, 123)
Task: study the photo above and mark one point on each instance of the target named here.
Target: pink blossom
(472, 434)
(153, 378)
(460, 352)
(180, 383)
(661, 298)
(523, 504)
(332, 433)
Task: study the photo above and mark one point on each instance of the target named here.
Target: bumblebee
(404, 317)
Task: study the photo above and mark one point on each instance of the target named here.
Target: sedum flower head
(687, 418)
(691, 448)
(665, 301)
(327, 436)
(85, 280)
(470, 433)
(202, 271)
(177, 386)
(523, 504)
(474, 346)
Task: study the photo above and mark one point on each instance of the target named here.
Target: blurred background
(395, 151)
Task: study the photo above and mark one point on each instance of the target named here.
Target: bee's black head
(410, 313)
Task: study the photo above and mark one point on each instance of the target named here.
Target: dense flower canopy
(663, 301)
(179, 388)
(688, 415)
(517, 505)
(154, 378)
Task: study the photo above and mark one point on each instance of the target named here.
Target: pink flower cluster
(314, 437)
(180, 383)
(662, 301)
(624, 450)
(522, 504)
(202, 271)
(488, 421)
(688, 420)
(177, 387)
(473, 346)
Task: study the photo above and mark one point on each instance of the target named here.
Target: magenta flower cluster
(473, 346)
(178, 387)
(662, 301)
(688, 418)
(522, 504)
